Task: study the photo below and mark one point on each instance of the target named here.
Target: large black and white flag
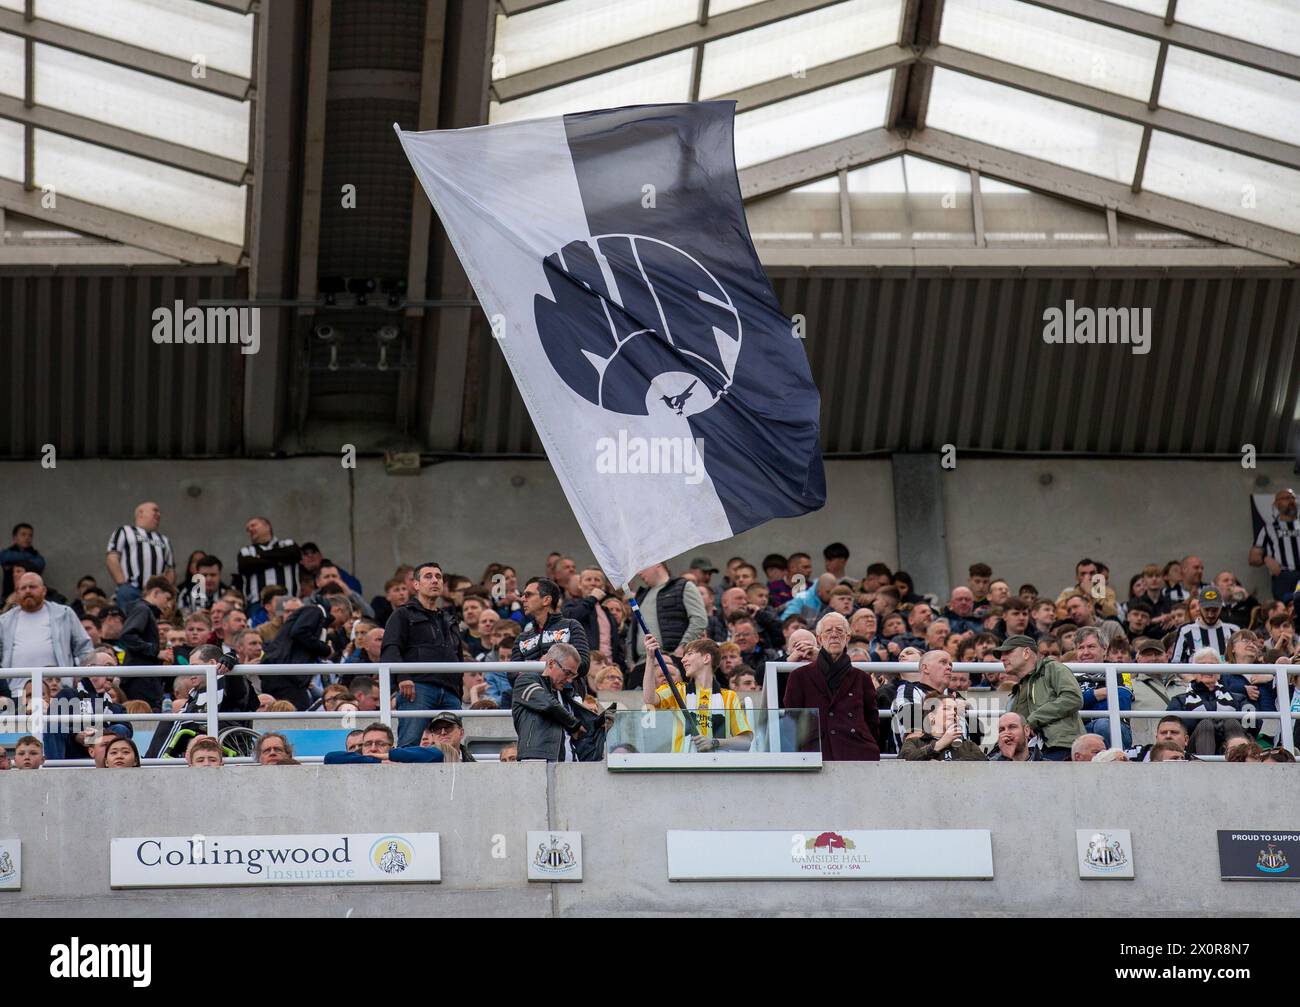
(610, 252)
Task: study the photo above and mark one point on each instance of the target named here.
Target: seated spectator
(273, 748)
(1276, 755)
(446, 732)
(281, 706)
(1087, 747)
(509, 753)
(1170, 731)
(943, 739)
(365, 693)
(29, 753)
(1110, 755)
(1089, 649)
(801, 645)
(121, 753)
(1045, 694)
(474, 688)
(205, 752)
(1014, 736)
(908, 706)
(1241, 750)
(352, 743)
(377, 747)
(745, 681)
(610, 680)
(1209, 735)
(1163, 751)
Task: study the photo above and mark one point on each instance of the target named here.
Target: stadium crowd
(285, 603)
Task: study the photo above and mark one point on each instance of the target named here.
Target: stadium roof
(126, 122)
(1138, 124)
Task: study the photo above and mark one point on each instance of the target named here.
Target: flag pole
(663, 665)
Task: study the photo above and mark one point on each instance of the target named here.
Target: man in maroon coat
(843, 696)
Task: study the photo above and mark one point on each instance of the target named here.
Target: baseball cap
(1148, 646)
(446, 717)
(1211, 598)
(703, 563)
(1015, 642)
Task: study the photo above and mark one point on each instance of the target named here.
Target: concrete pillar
(919, 518)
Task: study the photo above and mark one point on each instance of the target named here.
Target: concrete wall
(67, 817)
(468, 513)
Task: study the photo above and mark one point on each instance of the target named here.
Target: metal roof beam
(132, 57)
(1070, 183)
(818, 162)
(1116, 105)
(1198, 39)
(127, 141)
(817, 77)
(88, 218)
(651, 46)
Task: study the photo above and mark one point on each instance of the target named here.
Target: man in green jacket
(1046, 695)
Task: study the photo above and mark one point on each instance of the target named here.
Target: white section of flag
(508, 197)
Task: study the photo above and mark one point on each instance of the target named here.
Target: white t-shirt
(33, 644)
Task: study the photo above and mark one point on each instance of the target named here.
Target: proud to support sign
(223, 861)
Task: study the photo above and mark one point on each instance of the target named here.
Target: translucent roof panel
(808, 215)
(11, 150)
(1271, 23)
(12, 5)
(723, 6)
(795, 44)
(570, 28)
(811, 119)
(179, 28)
(1223, 180)
(142, 103)
(667, 78)
(141, 188)
(11, 65)
(1016, 216)
(1142, 232)
(1232, 94)
(1043, 40)
(912, 201)
(1154, 7)
(1038, 127)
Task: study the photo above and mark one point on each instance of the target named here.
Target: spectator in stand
(744, 634)
(303, 640)
(1206, 631)
(90, 624)
(904, 585)
(1281, 633)
(979, 575)
(1242, 750)
(21, 557)
(544, 720)
(397, 592)
(421, 631)
(1080, 610)
(999, 593)
(960, 612)
(600, 628)
(811, 602)
(1014, 736)
(276, 606)
(119, 753)
(1087, 747)
(546, 627)
(138, 552)
(195, 596)
(1277, 755)
(1277, 546)
(1190, 571)
(1151, 691)
(91, 697)
(267, 560)
(38, 633)
(1204, 693)
(673, 612)
(836, 557)
(1138, 618)
(1045, 694)
(1091, 584)
(446, 732)
(273, 748)
(234, 694)
(844, 696)
(376, 746)
(1239, 604)
(942, 739)
(330, 572)
(778, 587)
(1015, 619)
(248, 647)
(29, 752)
(1088, 649)
(908, 706)
(722, 723)
(311, 563)
(1043, 615)
(205, 752)
(233, 624)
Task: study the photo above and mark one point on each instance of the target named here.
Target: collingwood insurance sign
(223, 861)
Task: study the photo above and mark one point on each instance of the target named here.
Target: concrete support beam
(920, 521)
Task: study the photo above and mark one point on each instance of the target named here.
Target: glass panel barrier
(741, 737)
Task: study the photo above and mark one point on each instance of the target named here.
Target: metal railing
(37, 719)
(1112, 671)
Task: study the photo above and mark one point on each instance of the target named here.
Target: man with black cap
(1045, 694)
(1206, 631)
(446, 728)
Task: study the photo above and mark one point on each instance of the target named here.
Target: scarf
(834, 669)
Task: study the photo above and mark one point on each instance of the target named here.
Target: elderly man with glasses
(844, 697)
(546, 726)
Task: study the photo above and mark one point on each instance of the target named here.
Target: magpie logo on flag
(652, 329)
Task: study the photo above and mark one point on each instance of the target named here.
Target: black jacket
(416, 633)
(86, 701)
(140, 641)
(542, 717)
(234, 695)
(299, 641)
(533, 643)
(589, 613)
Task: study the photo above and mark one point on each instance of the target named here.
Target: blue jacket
(411, 753)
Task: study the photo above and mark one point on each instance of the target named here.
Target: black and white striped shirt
(1196, 635)
(1281, 540)
(285, 574)
(143, 554)
(1179, 593)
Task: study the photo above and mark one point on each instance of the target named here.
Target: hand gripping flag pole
(663, 664)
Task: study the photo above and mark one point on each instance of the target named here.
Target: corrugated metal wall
(913, 362)
(80, 370)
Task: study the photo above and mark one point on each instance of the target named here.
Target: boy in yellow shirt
(721, 719)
